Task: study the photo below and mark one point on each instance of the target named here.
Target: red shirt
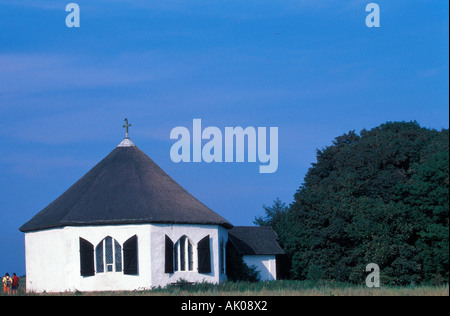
(15, 280)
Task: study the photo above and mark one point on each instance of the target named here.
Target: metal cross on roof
(126, 127)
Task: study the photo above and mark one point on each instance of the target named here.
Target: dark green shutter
(169, 255)
(204, 256)
(130, 256)
(86, 258)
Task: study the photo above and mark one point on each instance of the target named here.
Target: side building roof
(254, 240)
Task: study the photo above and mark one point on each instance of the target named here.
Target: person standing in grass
(15, 283)
(7, 282)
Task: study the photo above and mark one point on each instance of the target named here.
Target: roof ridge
(126, 142)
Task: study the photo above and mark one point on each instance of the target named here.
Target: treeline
(380, 196)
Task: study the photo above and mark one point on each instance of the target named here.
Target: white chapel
(127, 225)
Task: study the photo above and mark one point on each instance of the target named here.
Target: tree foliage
(378, 197)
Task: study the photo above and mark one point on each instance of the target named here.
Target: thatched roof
(254, 240)
(126, 187)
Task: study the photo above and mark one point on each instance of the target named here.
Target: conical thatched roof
(126, 187)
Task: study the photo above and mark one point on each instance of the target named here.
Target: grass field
(273, 288)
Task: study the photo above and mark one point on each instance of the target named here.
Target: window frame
(184, 255)
(116, 249)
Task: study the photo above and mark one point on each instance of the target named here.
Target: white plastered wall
(53, 258)
(265, 264)
(195, 233)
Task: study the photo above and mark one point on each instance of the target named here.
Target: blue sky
(311, 68)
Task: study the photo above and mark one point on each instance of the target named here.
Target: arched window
(183, 255)
(108, 256)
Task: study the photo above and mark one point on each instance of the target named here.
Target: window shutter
(169, 255)
(204, 256)
(130, 256)
(86, 258)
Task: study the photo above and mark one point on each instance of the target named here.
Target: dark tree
(378, 197)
